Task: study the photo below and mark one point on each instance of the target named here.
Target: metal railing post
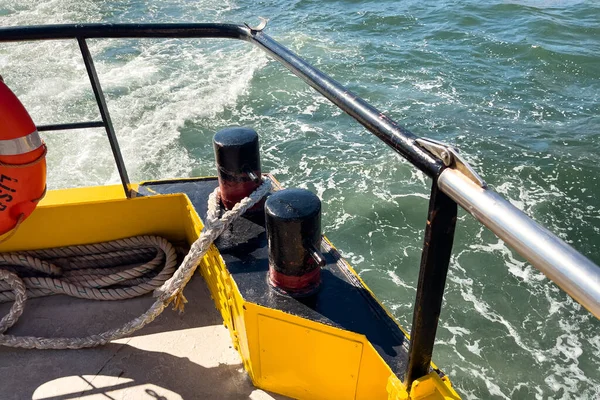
(437, 248)
(110, 131)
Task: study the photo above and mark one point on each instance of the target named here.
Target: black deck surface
(342, 300)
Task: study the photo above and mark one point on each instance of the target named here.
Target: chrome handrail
(569, 269)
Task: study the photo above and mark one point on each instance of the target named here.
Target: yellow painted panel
(373, 376)
(84, 194)
(307, 363)
(99, 221)
(227, 298)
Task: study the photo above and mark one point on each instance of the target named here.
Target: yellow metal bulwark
(89, 215)
(282, 353)
(303, 359)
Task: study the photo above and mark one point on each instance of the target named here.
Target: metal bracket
(259, 27)
(450, 157)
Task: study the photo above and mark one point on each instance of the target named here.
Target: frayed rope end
(179, 302)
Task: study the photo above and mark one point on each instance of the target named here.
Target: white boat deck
(187, 356)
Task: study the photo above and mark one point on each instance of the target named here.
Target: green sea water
(515, 85)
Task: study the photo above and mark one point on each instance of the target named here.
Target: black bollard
(293, 223)
(238, 164)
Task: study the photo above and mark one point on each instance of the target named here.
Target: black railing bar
(72, 125)
(397, 137)
(569, 269)
(435, 259)
(110, 131)
(116, 31)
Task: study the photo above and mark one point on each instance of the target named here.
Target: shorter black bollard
(238, 164)
(293, 223)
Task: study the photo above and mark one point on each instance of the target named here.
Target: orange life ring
(22, 162)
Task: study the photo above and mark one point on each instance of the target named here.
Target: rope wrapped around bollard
(169, 291)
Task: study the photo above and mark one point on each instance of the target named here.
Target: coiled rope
(86, 272)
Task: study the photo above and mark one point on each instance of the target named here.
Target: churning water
(514, 84)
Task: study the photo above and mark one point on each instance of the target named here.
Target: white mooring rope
(85, 272)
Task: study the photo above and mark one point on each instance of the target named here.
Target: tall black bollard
(293, 223)
(238, 163)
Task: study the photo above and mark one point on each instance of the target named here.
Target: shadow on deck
(187, 356)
